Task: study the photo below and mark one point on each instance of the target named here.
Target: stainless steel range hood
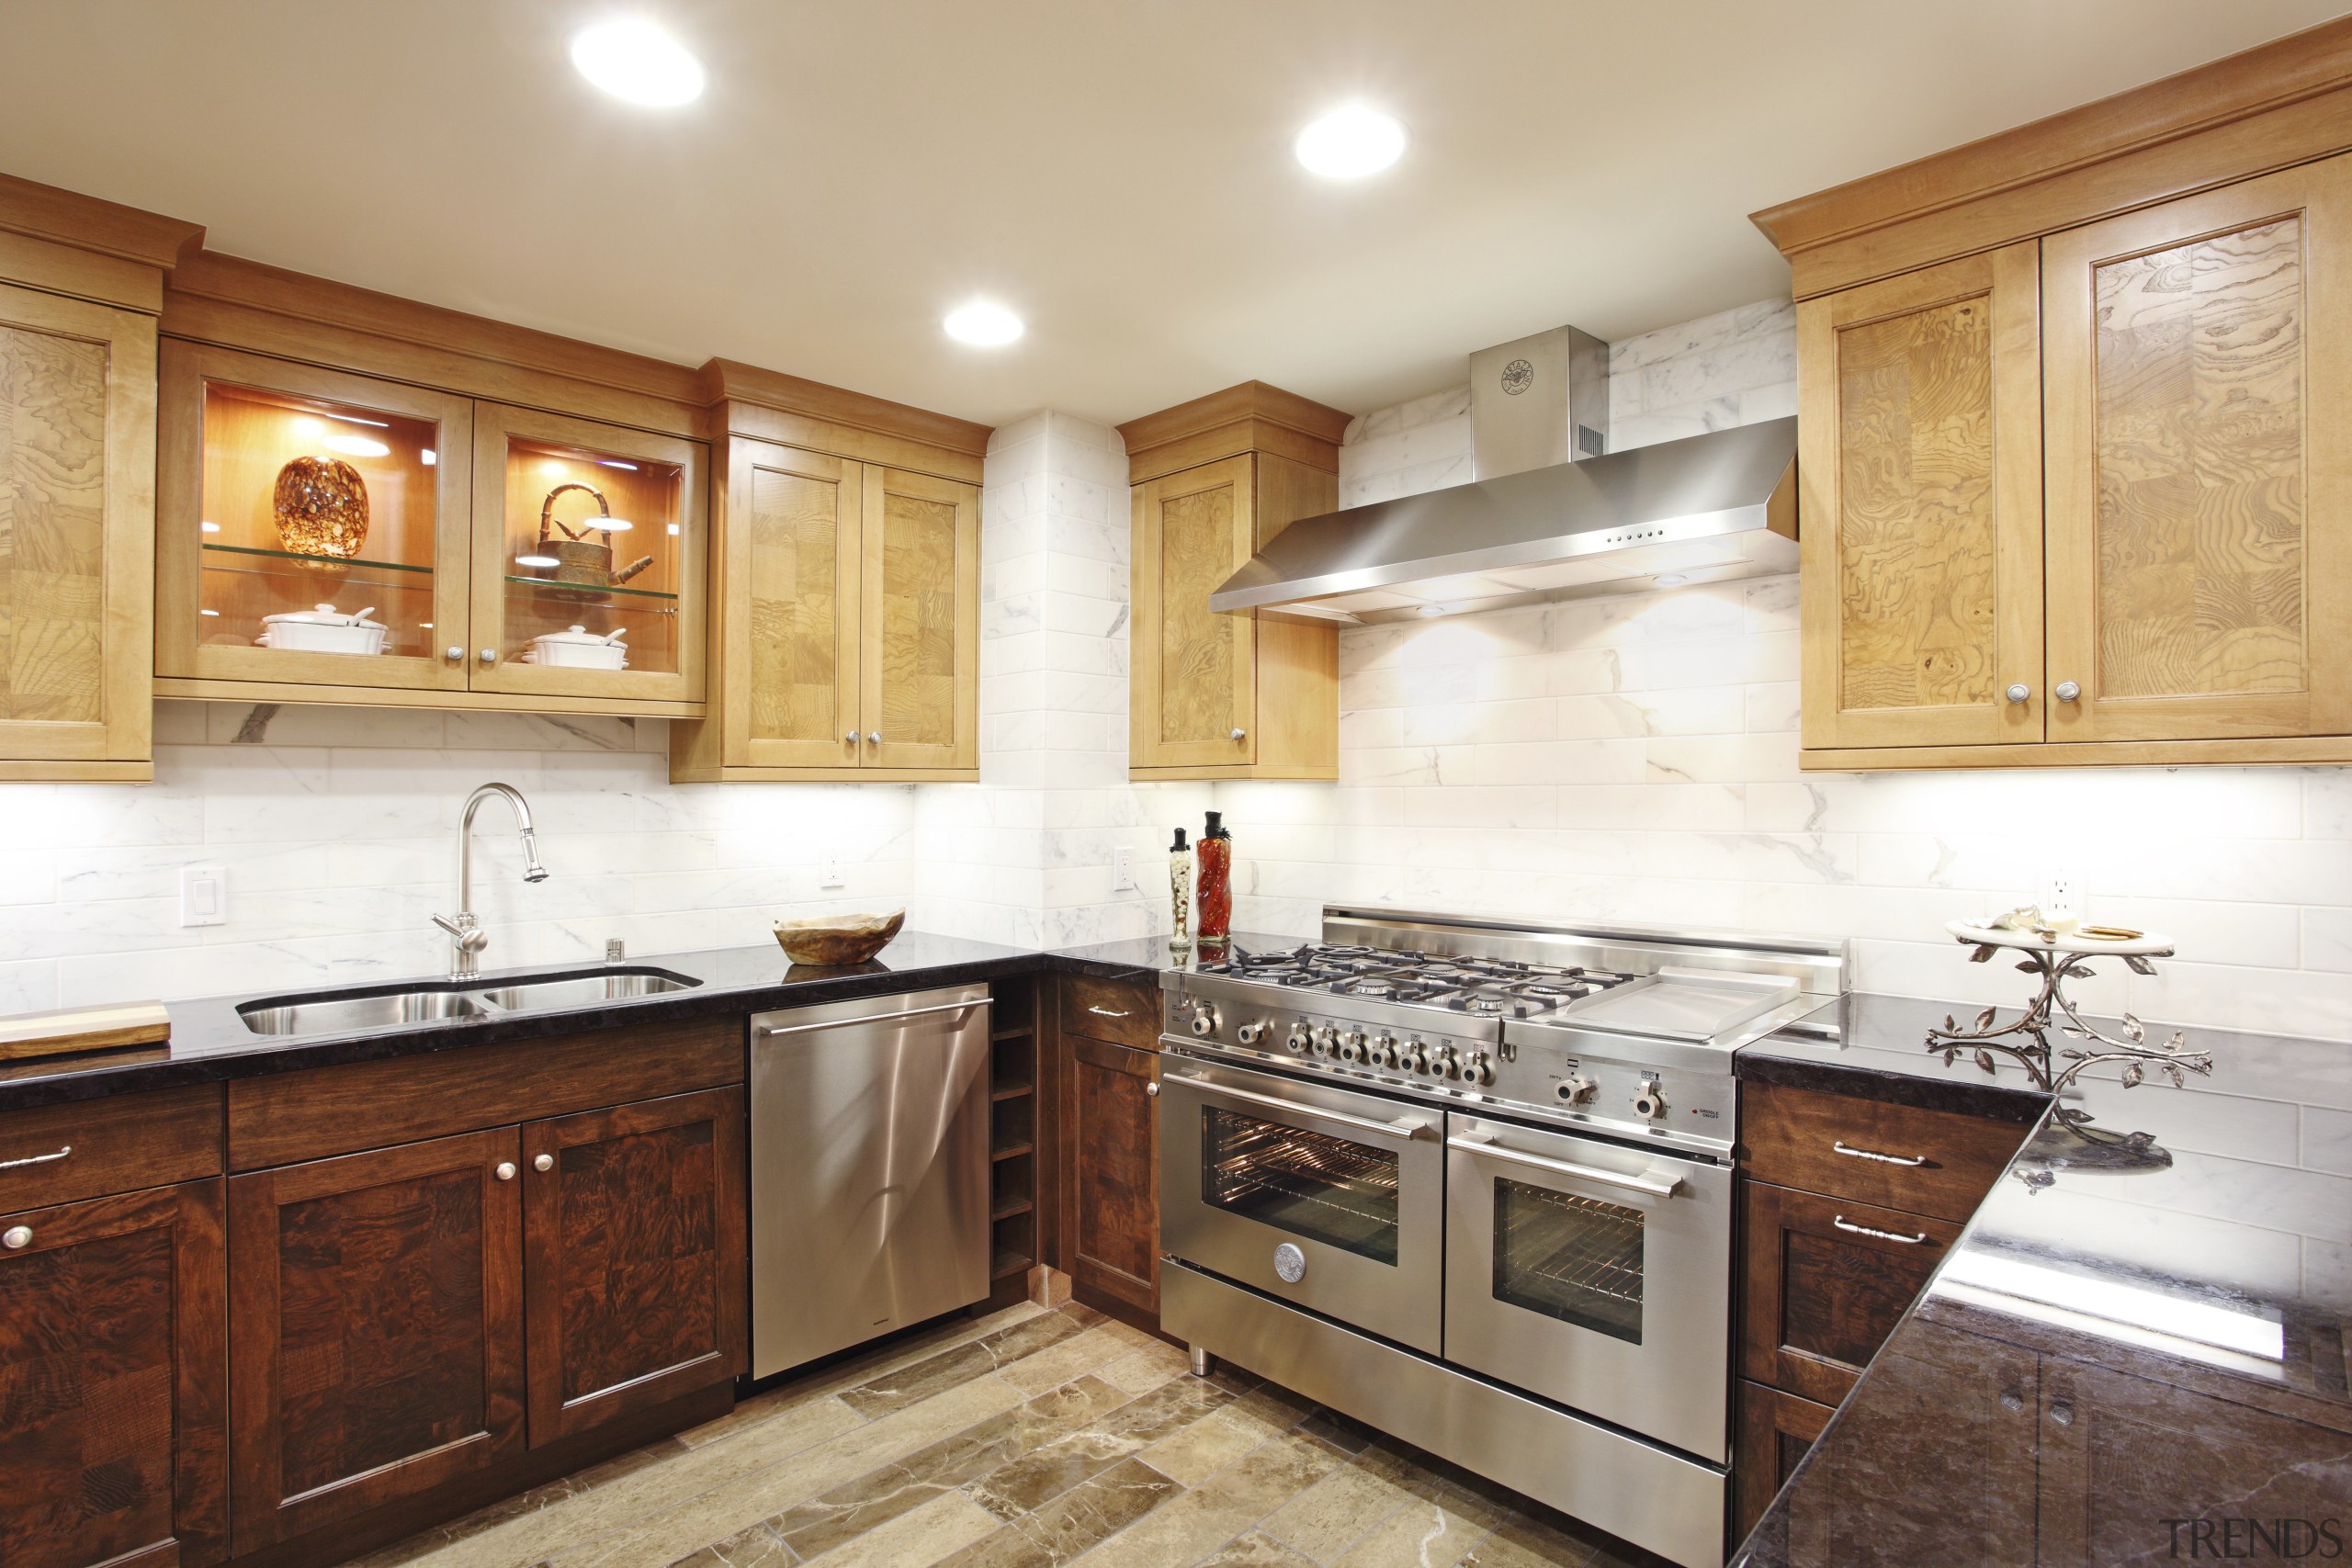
(1708, 508)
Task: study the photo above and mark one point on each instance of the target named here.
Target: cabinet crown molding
(2278, 103)
(87, 223)
(1250, 417)
(736, 383)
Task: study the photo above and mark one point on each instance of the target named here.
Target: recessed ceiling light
(983, 324)
(1349, 144)
(636, 61)
(1434, 610)
(1671, 579)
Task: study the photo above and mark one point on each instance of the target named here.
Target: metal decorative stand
(2025, 1040)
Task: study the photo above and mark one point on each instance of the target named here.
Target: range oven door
(1322, 1196)
(1592, 1273)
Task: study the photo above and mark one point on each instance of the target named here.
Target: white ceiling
(1115, 170)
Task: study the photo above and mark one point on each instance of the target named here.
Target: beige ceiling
(1115, 170)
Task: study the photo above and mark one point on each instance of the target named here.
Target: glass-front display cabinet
(589, 549)
(313, 526)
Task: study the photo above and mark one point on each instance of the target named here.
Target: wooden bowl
(831, 940)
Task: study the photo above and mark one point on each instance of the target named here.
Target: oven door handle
(1401, 1128)
(1656, 1187)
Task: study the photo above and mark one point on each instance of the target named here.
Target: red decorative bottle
(1215, 889)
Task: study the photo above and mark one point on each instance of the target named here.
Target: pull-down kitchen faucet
(466, 938)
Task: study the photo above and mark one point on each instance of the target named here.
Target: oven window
(1579, 1259)
(1306, 1183)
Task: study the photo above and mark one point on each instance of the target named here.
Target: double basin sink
(381, 1007)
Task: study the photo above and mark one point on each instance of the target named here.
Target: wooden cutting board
(84, 1028)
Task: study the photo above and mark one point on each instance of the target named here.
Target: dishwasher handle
(769, 1030)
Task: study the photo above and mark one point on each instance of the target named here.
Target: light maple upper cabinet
(845, 590)
(2200, 388)
(2075, 427)
(1213, 696)
(1920, 500)
(80, 283)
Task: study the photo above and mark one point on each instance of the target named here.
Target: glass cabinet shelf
(549, 587)
(335, 563)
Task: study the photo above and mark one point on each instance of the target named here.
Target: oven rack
(1600, 1255)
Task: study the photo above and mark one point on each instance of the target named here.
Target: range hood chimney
(1550, 512)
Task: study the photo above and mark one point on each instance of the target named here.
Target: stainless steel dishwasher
(869, 1170)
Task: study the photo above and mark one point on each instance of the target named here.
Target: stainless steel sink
(583, 990)
(384, 1007)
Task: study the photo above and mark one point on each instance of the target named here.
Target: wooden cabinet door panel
(790, 555)
(114, 1384)
(2200, 376)
(1920, 495)
(919, 692)
(1823, 1291)
(1194, 681)
(1110, 1156)
(1776, 1431)
(376, 1337)
(77, 472)
(634, 1249)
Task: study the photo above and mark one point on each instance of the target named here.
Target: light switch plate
(828, 874)
(1122, 868)
(204, 896)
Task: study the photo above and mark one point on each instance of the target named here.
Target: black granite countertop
(210, 1042)
(2111, 1367)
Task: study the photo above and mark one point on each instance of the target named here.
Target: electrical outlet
(204, 896)
(1122, 868)
(828, 874)
(2062, 897)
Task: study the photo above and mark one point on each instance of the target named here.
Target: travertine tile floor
(1030, 1439)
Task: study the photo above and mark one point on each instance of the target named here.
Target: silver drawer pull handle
(36, 1159)
(1655, 1187)
(1840, 1221)
(1105, 1012)
(767, 1031)
(1401, 1128)
(1839, 1147)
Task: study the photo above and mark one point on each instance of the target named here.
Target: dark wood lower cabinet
(376, 1328)
(1110, 1160)
(635, 1242)
(1775, 1431)
(113, 1427)
(1824, 1282)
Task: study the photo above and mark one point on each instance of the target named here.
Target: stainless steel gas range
(1471, 1182)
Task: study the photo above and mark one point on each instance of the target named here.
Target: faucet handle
(465, 930)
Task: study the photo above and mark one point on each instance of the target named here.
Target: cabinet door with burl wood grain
(376, 1328)
(113, 1391)
(634, 1241)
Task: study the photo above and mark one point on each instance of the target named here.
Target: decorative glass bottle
(1180, 895)
(1215, 854)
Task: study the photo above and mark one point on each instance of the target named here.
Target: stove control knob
(1577, 1091)
(1414, 1059)
(1475, 1071)
(1297, 1041)
(1250, 1033)
(1326, 1038)
(1444, 1064)
(1351, 1045)
(1381, 1052)
(1651, 1101)
(1204, 1020)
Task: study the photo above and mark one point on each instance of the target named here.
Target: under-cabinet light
(208, 612)
(617, 463)
(673, 530)
(537, 562)
(210, 527)
(355, 447)
(428, 456)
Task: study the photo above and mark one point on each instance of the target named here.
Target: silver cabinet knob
(1152, 1089)
(1238, 733)
(505, 1172)
(2066, 691)
(455, 653)
(15, 1238)
(850, 736)
(543, 1162)
(490, 656)
(2062, 1412)
(2019, 692)
(874, 738)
